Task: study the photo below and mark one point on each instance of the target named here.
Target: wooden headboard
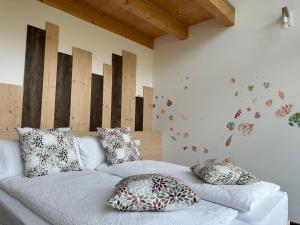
(60, 90)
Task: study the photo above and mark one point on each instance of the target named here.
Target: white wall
(255, 50)
(16, 14)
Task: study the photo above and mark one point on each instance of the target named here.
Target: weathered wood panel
(128, 90)
(96, 102)
(33, 77)
(50, 69)
(63, 91)
(139, 107)
(116, 90)
(81, 90)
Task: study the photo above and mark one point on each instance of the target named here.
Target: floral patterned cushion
(223, 173)
(152, 192)
(118, 145)
(46, 151)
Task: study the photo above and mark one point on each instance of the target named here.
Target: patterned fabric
(152, 192)
(46, 151)
(118, 145)
(223, 173)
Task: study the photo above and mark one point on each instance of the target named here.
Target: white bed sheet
(272, 210)
(77, 198)
(240, 197)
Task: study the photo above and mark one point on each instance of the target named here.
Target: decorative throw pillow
(46, 151)
(152, 192)
(118, 145)
(223, 173)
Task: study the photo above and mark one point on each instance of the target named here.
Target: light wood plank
(11, 107)
(79, 10)
(222, 10)
(128, 90)
(49, 80)
(150, 147)
(154, 15)
(107, 87)
(81, 90)
(148, 108)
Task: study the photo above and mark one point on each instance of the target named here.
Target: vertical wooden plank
(128, 90)
(139, 107)
(49, 81)
(81, 90)
(33, 77)
(96, 102)
(116, 98)
(107, 95)
(148, 108)
(11, 107)
(63, 91)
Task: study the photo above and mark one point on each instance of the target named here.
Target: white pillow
(90, 151)
(11, 163)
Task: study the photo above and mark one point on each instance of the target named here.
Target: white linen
(11, 163)
(241, 197)
(271, 210)
(90, 152)
(76, 198)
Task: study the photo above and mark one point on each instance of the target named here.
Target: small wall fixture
(286, 17)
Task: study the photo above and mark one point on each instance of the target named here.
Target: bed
(76, 195)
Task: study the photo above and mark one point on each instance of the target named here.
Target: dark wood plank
(139, 106)
(63, 90)
(292, 223)
(116, 99)
(33, 77)
(96, 102)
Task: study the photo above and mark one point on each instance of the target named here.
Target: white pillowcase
(11, 163)
(90, 152)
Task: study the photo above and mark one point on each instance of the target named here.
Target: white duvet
(241, 197)
(78, 198)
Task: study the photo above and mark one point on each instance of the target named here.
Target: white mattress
(272, 210)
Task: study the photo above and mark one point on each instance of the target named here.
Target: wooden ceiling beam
(154, 15)
(89, 15)
(222, 10)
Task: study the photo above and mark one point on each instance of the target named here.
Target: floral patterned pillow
(223, 173)
(152, 192)
(47, 151)
(118, 145)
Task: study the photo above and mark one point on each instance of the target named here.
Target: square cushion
(118, 145)
(46, 151)
(223, 173)
(152, 192)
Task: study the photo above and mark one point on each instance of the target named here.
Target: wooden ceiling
(144, 20)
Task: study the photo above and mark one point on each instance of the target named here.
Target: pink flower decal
(266, 85)
(231, 126)
(186, 135)
(246, 128)
(237, 114)
(284, 110)
(184, 148)
(169, 103)
(257, 115)
(232, 80)
(269, 102)
(281, 95)
(228, 142)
